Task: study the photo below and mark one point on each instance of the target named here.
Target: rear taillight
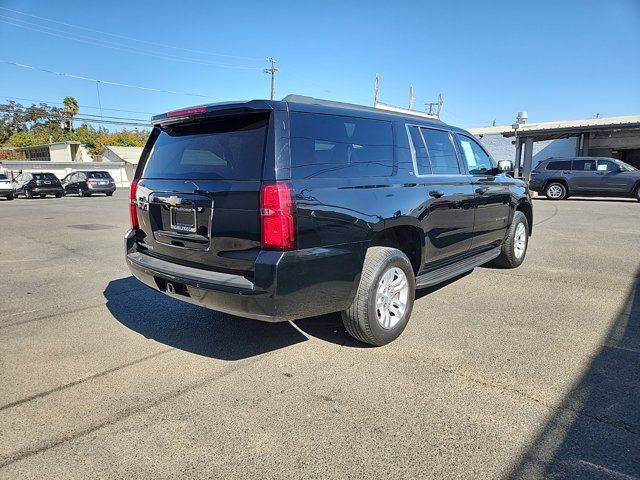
(133, 213)
(111, 180)
(276, 213)
(534, 172)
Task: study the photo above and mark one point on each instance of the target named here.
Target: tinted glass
(584, 165)
(441, 152)
(3, 176)
(607, 166)
(557, 165)
(225, 148)
(330, 146)
(423, 165)
(44, 176)
(476, 158)
(103, 175)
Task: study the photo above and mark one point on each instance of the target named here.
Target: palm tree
(70, 109)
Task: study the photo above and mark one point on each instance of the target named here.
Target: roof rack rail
(405, 111)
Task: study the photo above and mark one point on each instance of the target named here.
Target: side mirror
(505, 166)
(621, 169)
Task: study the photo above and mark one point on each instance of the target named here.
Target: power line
(82, 106)
(129, 38)
(105, 82)
(133, 122)
(106, 44)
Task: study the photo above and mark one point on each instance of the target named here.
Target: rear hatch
(198, 191)
(46, 180)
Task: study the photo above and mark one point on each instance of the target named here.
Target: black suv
(37, 184)
(279, 210)
(87, 183)
(558, 178)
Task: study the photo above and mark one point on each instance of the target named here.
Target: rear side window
(102, 175)
(557, 165)
(331, 146)
(584, 165)
(423, 164)
(224, 148)
(441, 152)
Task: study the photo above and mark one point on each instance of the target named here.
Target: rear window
(44, 176)
(564, 165)
(103, 175)
(332, 146)
(224, 148)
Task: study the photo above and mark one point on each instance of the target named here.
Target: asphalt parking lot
(524, 373)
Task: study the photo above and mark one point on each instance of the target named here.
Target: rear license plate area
(183, 219)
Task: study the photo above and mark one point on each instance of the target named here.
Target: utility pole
(437, 106)
(272, 70)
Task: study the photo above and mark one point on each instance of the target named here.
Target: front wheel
(10, 196)
(27, 193)
(382, 306)
(556, 191)
(514, 248)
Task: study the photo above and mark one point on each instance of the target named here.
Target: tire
(81, 192)
(58, 195)
(382, 266)
(109, 194)
(556, 191)
(27, 193)
(638, 193)
(42, 195)
(10, 196)
(514, 247)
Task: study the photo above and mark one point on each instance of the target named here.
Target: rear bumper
(102, 189)
(6, 191)
(285, 286)
(46, 190)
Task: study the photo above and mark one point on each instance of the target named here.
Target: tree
(70, 109)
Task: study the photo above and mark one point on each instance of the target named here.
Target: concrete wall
(60, 153)
(502, 148)
(118, 170)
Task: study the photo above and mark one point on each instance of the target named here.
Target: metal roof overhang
(555, 133)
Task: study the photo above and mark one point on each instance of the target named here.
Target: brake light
(534, 172)
(186, 111)
(133, 213)
(276, 213)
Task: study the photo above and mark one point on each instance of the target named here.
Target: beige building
(57, 152)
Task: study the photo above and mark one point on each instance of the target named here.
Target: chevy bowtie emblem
(173, 201)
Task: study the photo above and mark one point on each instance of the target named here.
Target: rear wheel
(10, 196)
(638, 193)
(384, 299)
(556, 191)
(109, 194)
(58, 195)
(42, 195)
(514, 248)
(27, 193)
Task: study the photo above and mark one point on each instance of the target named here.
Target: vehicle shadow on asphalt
(595, 433)
(192, 328)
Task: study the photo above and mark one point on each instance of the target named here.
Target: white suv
(6, 189)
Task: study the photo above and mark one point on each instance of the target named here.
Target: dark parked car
(37, 184)
(87, 183)
(558, 178)
(278, 210)
(6, 187)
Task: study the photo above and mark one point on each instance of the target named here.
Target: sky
(558, 60)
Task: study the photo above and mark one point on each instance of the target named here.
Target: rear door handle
(436, 193)
(481, 190)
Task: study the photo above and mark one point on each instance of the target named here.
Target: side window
(478, 161)
(584, 165)
(607, 166)
(441, 152)
(423, 165)
(559, 165)
(81, 177)
(331, 146)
